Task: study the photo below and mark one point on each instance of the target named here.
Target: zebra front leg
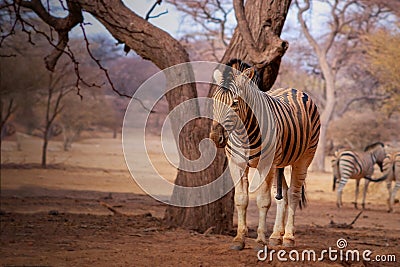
(263, 204)
(365, 192)
(241, 202)
(281, 212)
(356, 193)
(299, 173)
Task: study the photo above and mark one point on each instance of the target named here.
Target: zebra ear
(249, 73)
(217, 76)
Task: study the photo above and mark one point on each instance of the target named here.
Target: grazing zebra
(287, 121)
(349, 164)
(391, 171)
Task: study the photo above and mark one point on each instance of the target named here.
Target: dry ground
(60, 217)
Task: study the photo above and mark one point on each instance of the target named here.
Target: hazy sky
(172, 21)
(169, 22)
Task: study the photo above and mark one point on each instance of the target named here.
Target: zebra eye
(235, 103)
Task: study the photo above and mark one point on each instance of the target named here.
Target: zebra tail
(335, 170)
(334, 183)
(303, 200)
(377, 180)
(280, 177)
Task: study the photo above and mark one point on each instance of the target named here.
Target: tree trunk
(266, 20)
(44, 148)
(319, 159)
(257, 12)
(164, 51)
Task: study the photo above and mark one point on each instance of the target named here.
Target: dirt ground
(61, 216)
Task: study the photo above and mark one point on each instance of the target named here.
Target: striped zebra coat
(267, 131)
(349, 164)
(391, 172)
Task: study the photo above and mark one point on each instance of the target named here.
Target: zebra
(391, 172)
(349, 164)
(295, 138)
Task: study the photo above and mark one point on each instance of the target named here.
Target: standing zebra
(252, 125)
(391, 171)
(349, 164)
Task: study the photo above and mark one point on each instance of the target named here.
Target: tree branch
(61, 25)
(10, 110)
(148, 15)
(360, 98)
(258, 57)
(304, 26)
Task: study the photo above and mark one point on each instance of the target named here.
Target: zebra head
(229, 108)
(377, 150)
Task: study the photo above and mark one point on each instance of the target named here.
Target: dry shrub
(356, 130)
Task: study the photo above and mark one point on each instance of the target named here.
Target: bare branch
(159, 14)
(349, 102)
(304, 26)
(148, 15)
(10, 110)
(99, 64)
(61, 25)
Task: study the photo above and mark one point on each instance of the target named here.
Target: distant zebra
(391, 171)
(289, 119)
(350, 164)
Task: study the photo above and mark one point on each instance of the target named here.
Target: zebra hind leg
(394, 192)
(279, 227)
(299, 173)
(356, 193)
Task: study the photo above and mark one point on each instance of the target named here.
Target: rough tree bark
(256, 39)
(265, 20)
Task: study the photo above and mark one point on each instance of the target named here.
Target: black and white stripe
(356, 165)
(267, 131)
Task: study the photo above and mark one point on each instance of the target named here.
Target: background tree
(207, 28)
(18, 95)
(256, 40)
(57, 89)
(383, 62)
(348, 20)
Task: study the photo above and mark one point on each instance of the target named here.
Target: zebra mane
(372, 146)
(240, 66)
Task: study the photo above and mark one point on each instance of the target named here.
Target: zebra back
(355, 164)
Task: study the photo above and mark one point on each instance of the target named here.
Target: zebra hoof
(237, 246)
(275, 242)
(289, 243)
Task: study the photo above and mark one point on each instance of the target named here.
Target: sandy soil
(60, 216)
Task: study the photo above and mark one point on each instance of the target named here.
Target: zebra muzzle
(218, 136)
